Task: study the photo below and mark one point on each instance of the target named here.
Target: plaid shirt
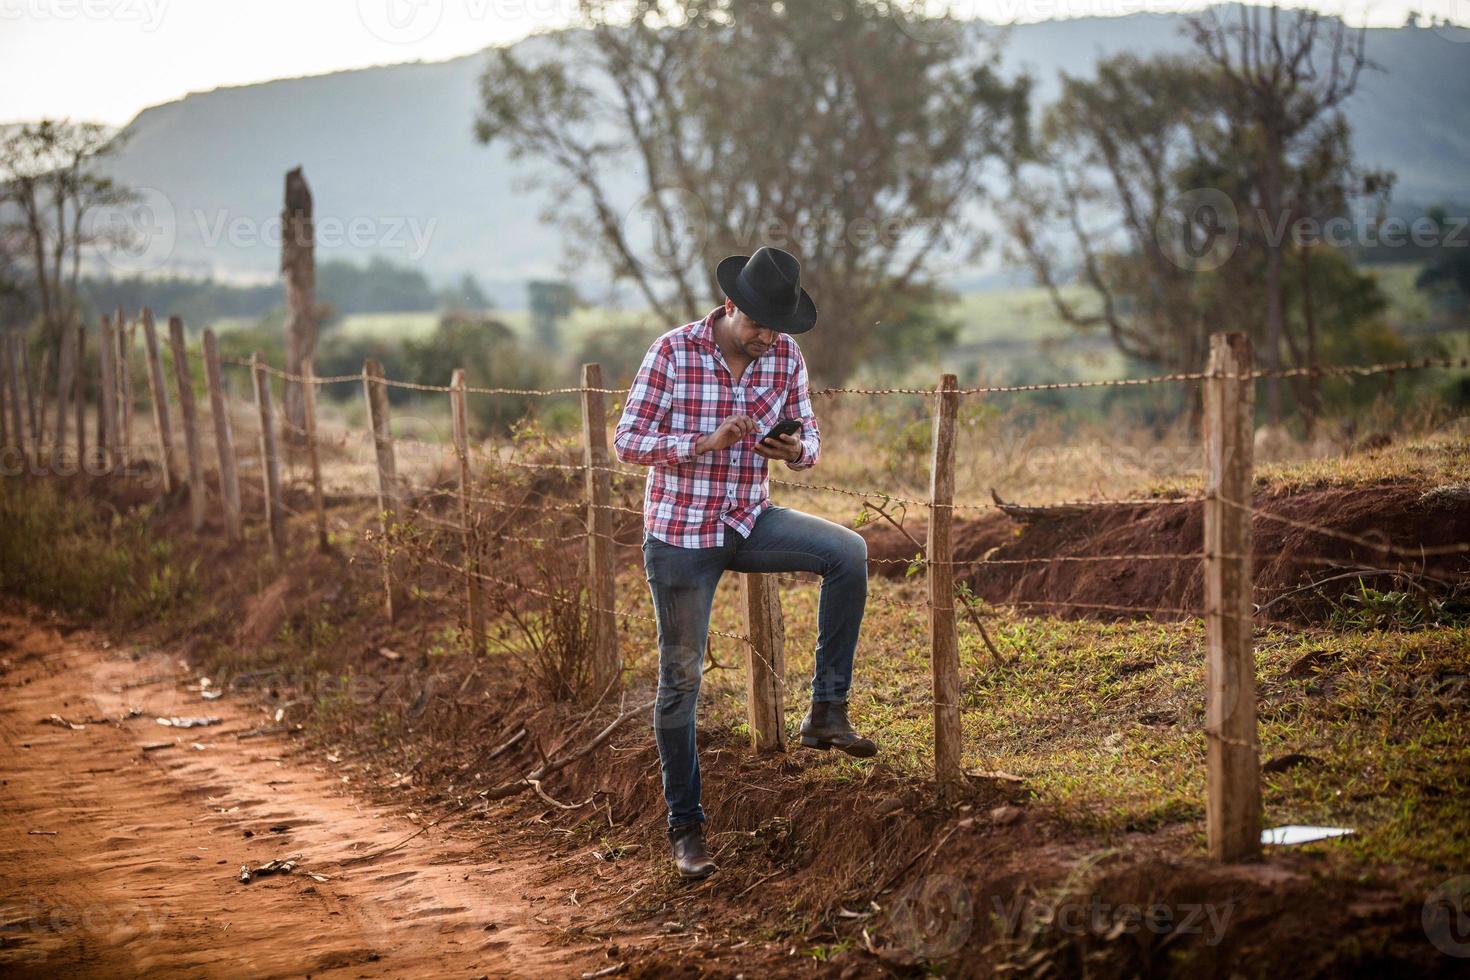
(684, 390)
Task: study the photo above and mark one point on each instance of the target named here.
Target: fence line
(1320, 371)
(1233, 802)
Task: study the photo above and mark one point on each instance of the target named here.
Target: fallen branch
(924, 553)
(975, 618)
(1358, 573)
(1025, 514)
(515, 786)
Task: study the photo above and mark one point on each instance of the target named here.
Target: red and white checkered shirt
(684, 390)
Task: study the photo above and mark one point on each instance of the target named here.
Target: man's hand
(783, 447)
(731, 431)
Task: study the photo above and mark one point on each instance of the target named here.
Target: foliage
(491, 357)
(880, 141)
(551, 302)
(70, 554)
(51, 185)
(1189, 193)
(1447, 272)
(378, 285)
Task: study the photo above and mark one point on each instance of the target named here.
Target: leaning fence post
(224, 439)
(270, 464)
(107, 406)
(601, 576)
(943, 638)
(188, 414)
(765, 673)
(1233, 784)
(475, 609)
(308, 403)
(376, 393)
(159, 391)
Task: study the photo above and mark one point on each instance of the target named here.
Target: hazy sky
(106, 59)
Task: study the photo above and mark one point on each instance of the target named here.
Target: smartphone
(785, 427)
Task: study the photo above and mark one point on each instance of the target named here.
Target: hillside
(394, 144)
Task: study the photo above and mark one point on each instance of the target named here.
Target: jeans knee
(852, 551)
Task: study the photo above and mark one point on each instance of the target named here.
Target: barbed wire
(1349, 370)
(1419, 552)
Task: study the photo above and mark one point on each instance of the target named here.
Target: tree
(551, 302)
(466, 295)
(1282, 78)
(1099, 191)
(1175, 194)
(50, 187)
(820, 127)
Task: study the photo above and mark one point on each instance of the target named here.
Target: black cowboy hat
(766, 287)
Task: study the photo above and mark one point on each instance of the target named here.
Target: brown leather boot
(826, 727)
(690, 855)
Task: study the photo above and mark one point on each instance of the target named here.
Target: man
(704, 397)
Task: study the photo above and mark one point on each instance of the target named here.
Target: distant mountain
(395, 170)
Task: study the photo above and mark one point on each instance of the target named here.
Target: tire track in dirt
(121, 861)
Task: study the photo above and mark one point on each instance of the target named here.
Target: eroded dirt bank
(1029, 554)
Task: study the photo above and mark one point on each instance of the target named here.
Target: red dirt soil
(1286, 557)
(121, 860)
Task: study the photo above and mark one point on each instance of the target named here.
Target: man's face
(749, 336)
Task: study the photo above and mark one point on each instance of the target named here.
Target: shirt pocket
(766, 404)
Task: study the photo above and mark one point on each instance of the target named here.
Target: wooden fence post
(5, 392)
(16, 409)
(376, 393)
(159, 392)
(270, 464)
(318, 499)
(23, 354)
(606, 666)
(224, 439)
(943, 638)
(765, 664)
(1233, 785)
(188, 413)
(9, 403)
(123, 375)
(43, 413)
(66, 372)
(80, 397)
(107, 406)
(474, 607)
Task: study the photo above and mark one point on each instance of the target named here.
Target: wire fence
(451, 507)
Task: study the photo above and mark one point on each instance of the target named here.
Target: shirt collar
(703, 331)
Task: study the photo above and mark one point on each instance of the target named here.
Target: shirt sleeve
(637, 438)
(799, 406)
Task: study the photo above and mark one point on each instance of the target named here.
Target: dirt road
(121, 842)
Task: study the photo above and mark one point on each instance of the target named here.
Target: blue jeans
(683, 580)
